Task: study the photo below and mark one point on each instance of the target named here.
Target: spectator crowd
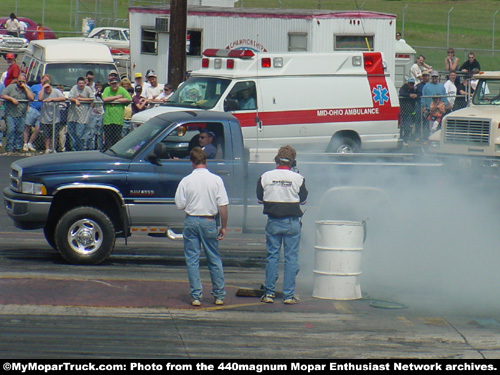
(38, 116)
(424, 100)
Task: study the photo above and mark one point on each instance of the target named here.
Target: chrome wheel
(85, 236)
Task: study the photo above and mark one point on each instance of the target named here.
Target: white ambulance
(336, 102)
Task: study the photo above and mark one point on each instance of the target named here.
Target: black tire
(49, 232)
(343, 145)
(85, 235)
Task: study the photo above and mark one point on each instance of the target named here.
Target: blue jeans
(15, 129)
(93, 137)
(286, 232)
(77, 133)
(202, 231)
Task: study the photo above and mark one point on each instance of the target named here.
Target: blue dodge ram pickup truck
(85, 200)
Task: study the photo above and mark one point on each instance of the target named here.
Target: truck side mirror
(160, 152)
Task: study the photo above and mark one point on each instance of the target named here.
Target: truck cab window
(209, 136)
(243, 96)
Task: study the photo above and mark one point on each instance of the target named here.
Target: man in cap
(202, 196)
(282, 191)
(139, 81)
(408, 98)
(206, 140)
(115, 98)
(433, 88)
(113, 74)
(16, 97)
(13, 69)
(152, 91)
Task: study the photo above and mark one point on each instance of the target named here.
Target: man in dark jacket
(407, 100)
(282, 191)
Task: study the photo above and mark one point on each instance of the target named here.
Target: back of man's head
(198, 156)
(286, 156)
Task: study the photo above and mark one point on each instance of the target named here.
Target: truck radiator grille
(15, 179)
(467, 131)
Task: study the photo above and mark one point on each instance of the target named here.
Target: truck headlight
(33, 188)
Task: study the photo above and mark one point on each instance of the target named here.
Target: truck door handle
(223, 173)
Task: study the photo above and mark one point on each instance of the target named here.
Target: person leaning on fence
(81, 97)
(50, 116)
(94, 137)
(32, 127)
(407, 98)
(451, 61)
(115, 98)
(16, 97)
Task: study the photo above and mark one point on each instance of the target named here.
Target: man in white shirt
(202, 196)
(152, 91)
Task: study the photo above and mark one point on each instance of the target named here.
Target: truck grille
(467, 131)
(15, 178)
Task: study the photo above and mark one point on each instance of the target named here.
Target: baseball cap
(424, 72)
(151, 73)
(112, 71)
(411, 80)
(10, 56)
(138, 75)
(434, 73)
(210, 133)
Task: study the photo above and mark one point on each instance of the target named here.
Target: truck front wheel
(85, 235)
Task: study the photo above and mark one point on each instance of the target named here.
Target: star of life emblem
(380, 94)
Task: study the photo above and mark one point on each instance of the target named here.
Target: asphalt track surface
(136, 305)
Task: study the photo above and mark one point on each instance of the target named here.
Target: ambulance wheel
(343, 145)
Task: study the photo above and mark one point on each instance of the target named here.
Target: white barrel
(337, 259)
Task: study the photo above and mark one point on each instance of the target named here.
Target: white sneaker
(25, 147)
(48, 151)
(30, 147)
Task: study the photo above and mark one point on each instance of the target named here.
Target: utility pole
(177, 42)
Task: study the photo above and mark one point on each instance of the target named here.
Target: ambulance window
(353, 43)
(149, 42)
(242, 97)
(297, 42)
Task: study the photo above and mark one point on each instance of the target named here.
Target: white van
(65, 61)
(335, 102)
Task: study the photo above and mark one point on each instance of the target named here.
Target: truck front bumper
(27, 211)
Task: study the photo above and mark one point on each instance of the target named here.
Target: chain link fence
(52, 126)
(67, 126)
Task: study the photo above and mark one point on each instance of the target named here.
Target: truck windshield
(66, 74)
(134, 142)
(487, 92)
(199, 92)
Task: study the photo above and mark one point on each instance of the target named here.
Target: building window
(149, 42)
(353, 43)
(193, 43)
(297, 42)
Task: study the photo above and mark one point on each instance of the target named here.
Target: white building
(273, 30)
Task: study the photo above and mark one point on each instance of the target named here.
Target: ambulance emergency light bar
(231, 54)
(266, 62)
